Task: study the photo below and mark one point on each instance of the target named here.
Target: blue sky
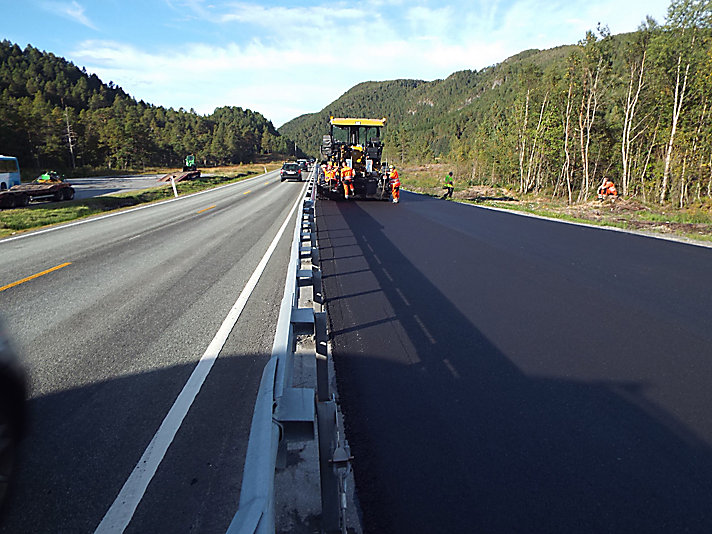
(284, 59)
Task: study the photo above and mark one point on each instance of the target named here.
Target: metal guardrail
(284, 413)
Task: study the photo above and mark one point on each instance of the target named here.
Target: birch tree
(685, 19)
(631, 126)
(592, 71)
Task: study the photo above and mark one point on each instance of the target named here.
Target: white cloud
(72, 11)
(306, 57)
(292, 20)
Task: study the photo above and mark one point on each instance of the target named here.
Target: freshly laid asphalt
(500, 373)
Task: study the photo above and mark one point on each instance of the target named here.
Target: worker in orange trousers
(394, 180)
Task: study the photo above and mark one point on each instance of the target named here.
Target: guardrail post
(330, 506)
(322, 359)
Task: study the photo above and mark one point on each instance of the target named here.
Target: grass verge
(692, 223)
(49, 213)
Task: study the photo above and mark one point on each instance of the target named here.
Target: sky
(284, 59)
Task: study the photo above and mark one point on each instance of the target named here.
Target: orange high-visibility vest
(609, 188)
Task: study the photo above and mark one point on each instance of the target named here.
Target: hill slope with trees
(55, 115)
(632, 107)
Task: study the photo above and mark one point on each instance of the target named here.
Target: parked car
(13, 411)
(290, 170)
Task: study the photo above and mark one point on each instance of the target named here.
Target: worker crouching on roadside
(347, 179)
(607, 190)
(394, 180)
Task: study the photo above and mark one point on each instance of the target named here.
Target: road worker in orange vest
(607, 189)
(347, 179)
(394, 180)
(333, 176)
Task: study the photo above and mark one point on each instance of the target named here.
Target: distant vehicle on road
(9, 172)
(290, 170)
(303, 164)
(13, 412)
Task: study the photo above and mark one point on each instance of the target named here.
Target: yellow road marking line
(247, 192)
(8, 286)
(205, 209)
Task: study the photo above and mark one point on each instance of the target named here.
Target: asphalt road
(110, 340)
(500, 373)
(104, 185)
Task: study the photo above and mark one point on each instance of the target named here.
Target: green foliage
(636, 108)
(54, 115)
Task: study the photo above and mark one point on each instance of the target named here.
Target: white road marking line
(402, 296)
(421, 324)
(388, 275)
(452, 370)
(117, 213)
(119, 515)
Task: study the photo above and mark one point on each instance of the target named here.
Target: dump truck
(48, 186)
(356, 143)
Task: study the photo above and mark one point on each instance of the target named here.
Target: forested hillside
(54, 115)
(633, 107)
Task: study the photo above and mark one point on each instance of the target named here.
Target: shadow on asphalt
(83, 443)
(450, 436)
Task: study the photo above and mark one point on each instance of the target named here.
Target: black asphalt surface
(110, 340)
(501, 373)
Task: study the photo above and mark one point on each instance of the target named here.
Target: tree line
(635, 108)
(55, 115)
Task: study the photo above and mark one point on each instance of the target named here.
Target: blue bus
(9, 172)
